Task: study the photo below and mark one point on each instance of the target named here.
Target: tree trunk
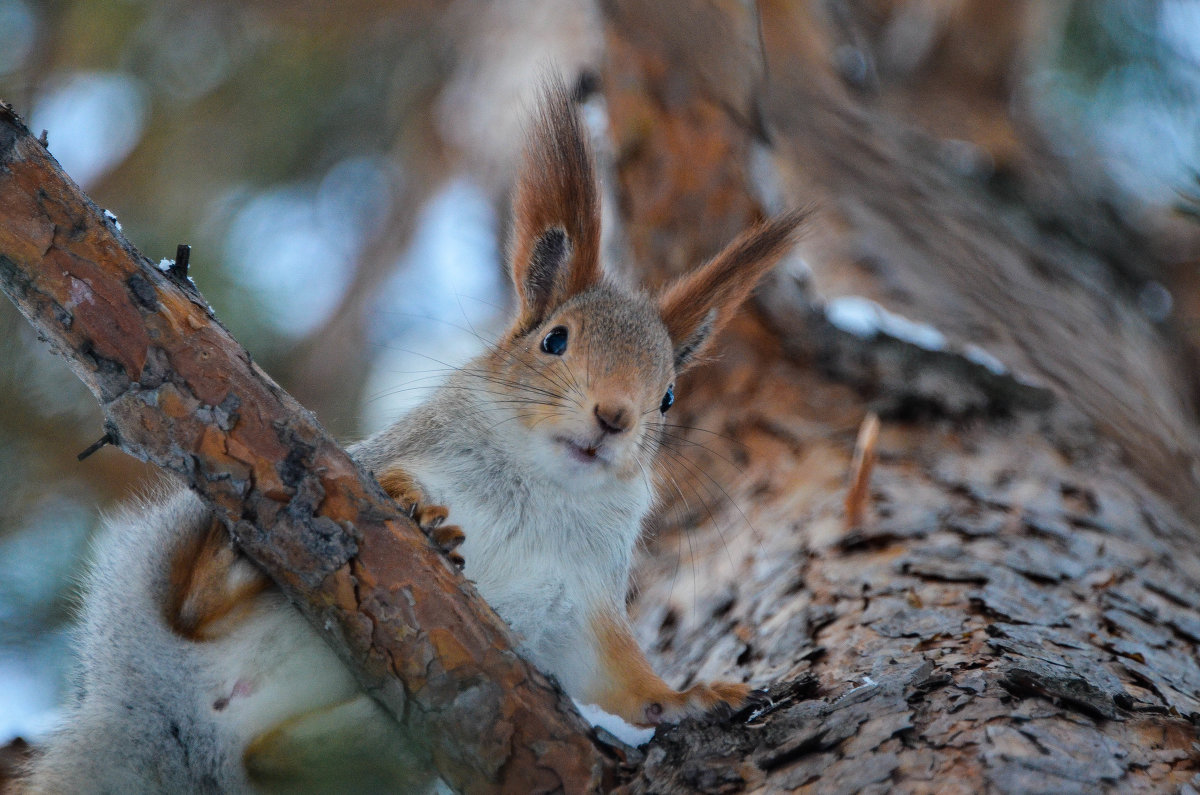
(1019, 610)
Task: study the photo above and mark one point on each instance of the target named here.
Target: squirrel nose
(612, 419)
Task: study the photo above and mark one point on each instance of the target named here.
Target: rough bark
(178, 391)
(1018, 609)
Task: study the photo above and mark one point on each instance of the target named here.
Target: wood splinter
(860, 470)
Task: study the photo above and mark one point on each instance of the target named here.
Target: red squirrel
(197, 675)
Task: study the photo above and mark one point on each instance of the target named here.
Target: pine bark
(1019, 608)
(179, 392)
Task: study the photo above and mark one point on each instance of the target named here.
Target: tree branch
(178, 391)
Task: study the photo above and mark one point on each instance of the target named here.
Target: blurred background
(340, 171)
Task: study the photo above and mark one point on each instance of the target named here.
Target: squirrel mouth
(584, 453)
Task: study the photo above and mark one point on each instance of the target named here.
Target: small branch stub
(860, 471)
(107, 438)
(179, 270)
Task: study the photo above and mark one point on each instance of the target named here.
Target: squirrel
(196, 674)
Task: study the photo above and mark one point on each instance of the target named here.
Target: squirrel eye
(555, 343)
(668, 399)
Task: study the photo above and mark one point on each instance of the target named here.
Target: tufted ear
(696, 305)
(555, 251)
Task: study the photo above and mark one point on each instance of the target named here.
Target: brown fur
(211, 585)
(555, 266)
(401, 487)
(721, 284)
(556, 190)
(634, 692)
(621, 372)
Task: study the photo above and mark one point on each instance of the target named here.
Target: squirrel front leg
(403, 488)
(629, 688)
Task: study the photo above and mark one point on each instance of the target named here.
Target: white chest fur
(544, 557)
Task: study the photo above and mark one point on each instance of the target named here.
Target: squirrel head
(588, 369)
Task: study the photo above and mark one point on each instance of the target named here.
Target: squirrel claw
(721, 699)
(430, 518)
(447, 537)
(734, 694)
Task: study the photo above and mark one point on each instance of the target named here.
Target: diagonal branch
(178, 391)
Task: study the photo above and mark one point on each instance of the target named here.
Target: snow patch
(854, 315)
(984, 359)
(625, 732)
(864, 318)
(920, 334)
(165, 264)
(108, 214)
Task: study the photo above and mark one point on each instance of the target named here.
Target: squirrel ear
(556, 214)
(696, 305)
(538, 278)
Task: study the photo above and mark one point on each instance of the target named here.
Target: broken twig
(860, 470)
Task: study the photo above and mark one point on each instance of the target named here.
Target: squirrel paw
(430, 518)
(698, 700)
(446, 537)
